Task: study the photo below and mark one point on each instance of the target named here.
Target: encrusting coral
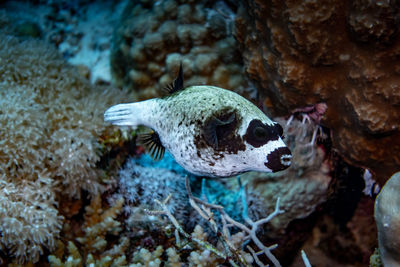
(339, 52)
(154, 37)
(51, 119)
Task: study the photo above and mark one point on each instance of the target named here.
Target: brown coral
(155, 37)
(339, 52)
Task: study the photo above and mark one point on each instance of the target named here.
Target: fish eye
(260, 133)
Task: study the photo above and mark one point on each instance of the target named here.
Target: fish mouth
(279, 159)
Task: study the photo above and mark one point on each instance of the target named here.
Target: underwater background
(77, 191)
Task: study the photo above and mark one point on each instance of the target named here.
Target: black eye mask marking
(258, 134)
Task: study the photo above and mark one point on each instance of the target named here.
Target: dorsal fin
(177, 85)
(152, 143)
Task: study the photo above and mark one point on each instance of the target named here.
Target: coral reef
(342, 53)
(50, 119)
(375, 260)
(154, 37)
(58, 158)
(387, 217)
(344, 225)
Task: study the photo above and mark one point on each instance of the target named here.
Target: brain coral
(155, 36)
(50, 120)
(343, 53)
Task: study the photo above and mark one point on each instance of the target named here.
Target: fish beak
(279, 159)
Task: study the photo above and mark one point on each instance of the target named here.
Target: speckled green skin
(387, 217)
(179, 120)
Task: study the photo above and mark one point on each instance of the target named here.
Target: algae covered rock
(338, 52)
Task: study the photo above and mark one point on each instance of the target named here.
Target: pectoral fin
(152, 143)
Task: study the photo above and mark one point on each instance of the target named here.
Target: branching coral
(50, 120)
(145, 258)
(94, 248)
(98, 223)
(141, 185)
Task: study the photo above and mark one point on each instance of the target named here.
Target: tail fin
(123, 115)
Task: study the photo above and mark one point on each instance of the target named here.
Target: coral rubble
(154, 37)
(338, 52)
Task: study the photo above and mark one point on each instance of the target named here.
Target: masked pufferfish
(209, 131)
